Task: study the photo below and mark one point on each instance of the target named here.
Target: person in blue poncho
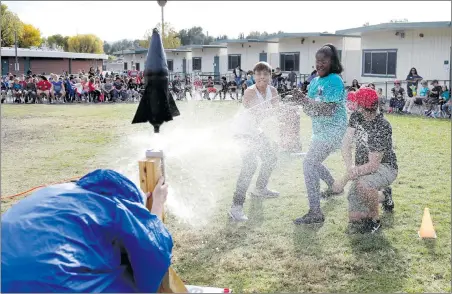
(325, 104)
(94, 235)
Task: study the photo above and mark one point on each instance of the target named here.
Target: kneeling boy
(375, 161)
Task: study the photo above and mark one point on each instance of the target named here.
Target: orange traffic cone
(427, 231)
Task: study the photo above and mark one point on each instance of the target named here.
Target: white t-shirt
(244, 122)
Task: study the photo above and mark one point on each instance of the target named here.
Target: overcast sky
(114, 20)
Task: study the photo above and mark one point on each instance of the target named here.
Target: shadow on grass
(209, 262)
(430, 244)
(256, 212)
(387, 219)
(306, 241)
(380, 267)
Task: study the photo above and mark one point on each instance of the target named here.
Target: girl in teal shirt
(325, 104)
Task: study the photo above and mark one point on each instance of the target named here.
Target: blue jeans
(314, 170)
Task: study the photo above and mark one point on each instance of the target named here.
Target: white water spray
(197, 158)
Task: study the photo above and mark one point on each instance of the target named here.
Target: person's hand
(300, 96)
(352, 174)
(349, 168)
(338, 186)
(160, 192)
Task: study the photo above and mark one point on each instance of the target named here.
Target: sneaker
(265, 193)
(388, 204)
(236, 213)
(310, 218)
(371, 226)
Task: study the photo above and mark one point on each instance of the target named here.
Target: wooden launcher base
(150, 172)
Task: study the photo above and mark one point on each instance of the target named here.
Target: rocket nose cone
(156, 58)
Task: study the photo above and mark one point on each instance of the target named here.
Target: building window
(379, 62)
(289, 61)
(196, 63)
(125, 65)
(170, 64)
(234, 60)
(137, 66)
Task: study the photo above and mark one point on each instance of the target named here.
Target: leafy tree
(170, 37)
(257, 35)
(66, 43)
(123, 44)
(136, 43)
(31, 37)
(85, 44)
(194, 36)
(107, 47)
(10, 23)
(221, 37)
(58, 40)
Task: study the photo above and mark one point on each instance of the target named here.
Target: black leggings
(96, 95)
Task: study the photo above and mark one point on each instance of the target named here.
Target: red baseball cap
(367, 98)
(351, 96)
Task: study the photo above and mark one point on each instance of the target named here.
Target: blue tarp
(94, 235)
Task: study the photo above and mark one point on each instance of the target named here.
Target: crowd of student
(91, 87)
(94, 87)
(433, 101)
(238, 82)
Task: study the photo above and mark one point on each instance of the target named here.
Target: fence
(217, 76)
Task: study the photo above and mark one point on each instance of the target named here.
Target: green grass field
(43, 144)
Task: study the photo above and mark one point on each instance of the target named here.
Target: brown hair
(262, 66)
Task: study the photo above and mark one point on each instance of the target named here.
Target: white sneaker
(237, 214)
(265, 193)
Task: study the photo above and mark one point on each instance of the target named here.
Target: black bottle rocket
(157, 104)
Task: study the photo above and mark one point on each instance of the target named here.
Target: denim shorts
(383, 177)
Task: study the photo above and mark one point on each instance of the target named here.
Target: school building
(375, 53)
(47, 61)
(388, 51)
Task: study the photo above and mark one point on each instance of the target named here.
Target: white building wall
(249, 53)
(223, 61)
(131, 59)
(177, 58)
(207, 58)
(426, 54)
(351, 58)
(273, 55)
(188, 56)
(307, 50)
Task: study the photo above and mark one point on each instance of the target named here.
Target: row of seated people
(233, 88)
(34, 89)
(433, 101)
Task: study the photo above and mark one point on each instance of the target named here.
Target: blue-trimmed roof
(144, 50)
(275, 38)
(396, 26)
(307, 35)
(228, 41)
(201, 46)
